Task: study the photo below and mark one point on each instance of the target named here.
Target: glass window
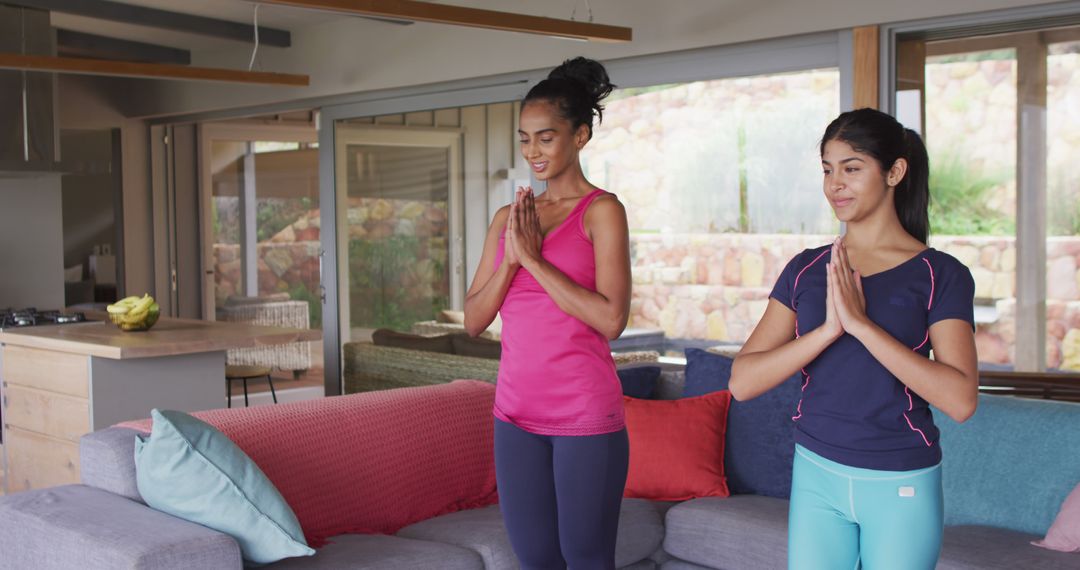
(1063, 206)
(722, 184)
(973, 88)
(970, 136)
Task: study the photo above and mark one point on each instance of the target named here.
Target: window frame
(1031, 191)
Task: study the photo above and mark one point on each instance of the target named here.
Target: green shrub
(300, 292)
(384, 289)
(959, 195)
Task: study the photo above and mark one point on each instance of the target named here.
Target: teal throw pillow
(189, 469)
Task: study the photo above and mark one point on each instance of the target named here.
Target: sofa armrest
(75, 526)
(107, 461)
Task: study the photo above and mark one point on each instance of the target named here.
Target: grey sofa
(991, 518)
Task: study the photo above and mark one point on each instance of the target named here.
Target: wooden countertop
(167, 337)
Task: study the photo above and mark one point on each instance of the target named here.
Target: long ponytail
(912, 194)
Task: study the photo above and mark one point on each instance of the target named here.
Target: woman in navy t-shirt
(859, 317)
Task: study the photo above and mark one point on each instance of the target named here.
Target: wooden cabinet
(46, 409)
(35, 461)
(61, 382)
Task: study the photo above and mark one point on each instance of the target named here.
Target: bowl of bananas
(134, 313)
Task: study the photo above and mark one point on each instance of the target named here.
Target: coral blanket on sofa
(372, 462)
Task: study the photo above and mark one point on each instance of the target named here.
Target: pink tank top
(556, 375)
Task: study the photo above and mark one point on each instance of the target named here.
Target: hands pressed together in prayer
(845, 304)
(524, 237)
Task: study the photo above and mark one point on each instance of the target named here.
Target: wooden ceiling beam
(162, 19)
(79, 44)
(462, 16)
(81, 66)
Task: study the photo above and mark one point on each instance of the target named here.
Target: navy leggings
(560, 496)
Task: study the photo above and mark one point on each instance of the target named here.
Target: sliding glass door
(399, 194)
(260, 239)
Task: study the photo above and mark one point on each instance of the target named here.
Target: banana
(134, 312)
(124, 306)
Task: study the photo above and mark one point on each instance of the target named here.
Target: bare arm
(950, 382)
(608, 308)
(773, 353)
(489, 285)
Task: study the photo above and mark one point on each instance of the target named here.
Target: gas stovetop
(30, 316)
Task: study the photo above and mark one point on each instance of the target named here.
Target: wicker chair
(434, 328)
(295, 356)
(370, 367)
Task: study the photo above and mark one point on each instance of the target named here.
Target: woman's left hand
(848, 298)
(528, 237)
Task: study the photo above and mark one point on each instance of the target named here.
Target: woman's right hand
(510, 257)
(832, 326)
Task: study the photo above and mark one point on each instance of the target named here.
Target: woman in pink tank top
(557, 268)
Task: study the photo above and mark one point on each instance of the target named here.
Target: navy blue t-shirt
(853, 410)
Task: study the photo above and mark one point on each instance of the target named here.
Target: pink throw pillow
(1064, 534)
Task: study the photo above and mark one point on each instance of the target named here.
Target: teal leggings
(843, 517)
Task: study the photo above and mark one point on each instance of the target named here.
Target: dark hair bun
(575, 88)
(590, 73)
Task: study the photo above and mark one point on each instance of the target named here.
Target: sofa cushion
(677, 447)
(672, 384)
(372, 462)
(371, 551)
(466, 345)
(742, 531)
(481, 530)
(706, 372)
(760, 433)
(75, 526)
(107, 461)
(190, 470)
(982, 467)
(990, 548)
(682, 565)
(639, 381)
(639, 565)
(386, 337)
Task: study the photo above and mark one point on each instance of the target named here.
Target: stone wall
(288, 260)
(716, 286)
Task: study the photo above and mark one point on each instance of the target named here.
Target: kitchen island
(62, 381)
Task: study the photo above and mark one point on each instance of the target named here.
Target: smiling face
(854, 182)
(548, 142)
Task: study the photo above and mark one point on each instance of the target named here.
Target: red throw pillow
(677, 447)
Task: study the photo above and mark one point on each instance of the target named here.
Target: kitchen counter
(168, 337)
(60, 382)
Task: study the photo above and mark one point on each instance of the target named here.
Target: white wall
(349, 55)
(31, 242)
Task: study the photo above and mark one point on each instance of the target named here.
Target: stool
(240, 372)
